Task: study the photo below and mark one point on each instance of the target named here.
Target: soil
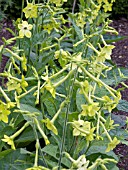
(119, 57)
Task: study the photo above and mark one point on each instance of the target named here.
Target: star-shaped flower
(4, 112)
(9, 141)
(112, 144)
(30, 11)
(90, 109)
(25, 29)
(81, 128)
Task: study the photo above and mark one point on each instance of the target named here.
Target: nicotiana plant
(55, 108)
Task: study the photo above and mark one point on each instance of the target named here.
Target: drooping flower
(30, 10)
(50, 88)
(9, 141)
(50, 125)
(24, 83)
(4, 112)
(24, 63)
(112, 144)
(25, 29)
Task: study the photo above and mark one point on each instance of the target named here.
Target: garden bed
(119, 56)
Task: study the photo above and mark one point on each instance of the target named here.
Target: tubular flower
(30, 11)
(4, 112)
(112, 144)
(25, 29)
(9, 141)
(50, 126)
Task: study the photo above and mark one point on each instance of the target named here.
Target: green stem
(64, 79)
(109, 137)
(5, 95)
(19, 131)
(14, 54)
(42, 132)
(59, 72)
(22, 95)
(22, 10)
(36, 136)
(58, 112)
(65, 121)
(37, 150)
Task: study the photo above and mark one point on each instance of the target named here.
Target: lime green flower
(90, 109)
(80, 21)
(105, 53)
(23, 83)
(17, 100)
(24, 63)
(9, 141)
(62, 57)
(50, 125)
(50, 88)
(107, 7)
(48, 27)
(81, 128)
(80, 164)
(14, 85)
(90, 136)
(10, 104)
(112, 144)
(30, 11)
(25, 29)
(85, 87)
(4, 112)
(109, 104)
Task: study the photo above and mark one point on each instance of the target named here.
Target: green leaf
(14, 160)
(25, 107)
(123, 105)
(26, 136)
(100, 147)
(5, 153)
(80, 99)
(124, 142)
(53, 151)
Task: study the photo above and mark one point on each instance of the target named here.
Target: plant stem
(73, 8)
(66, 119)
(36, 136)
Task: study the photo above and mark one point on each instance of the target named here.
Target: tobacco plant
(56, 104)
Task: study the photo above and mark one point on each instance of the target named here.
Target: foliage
(55, 109)
(120, 7)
